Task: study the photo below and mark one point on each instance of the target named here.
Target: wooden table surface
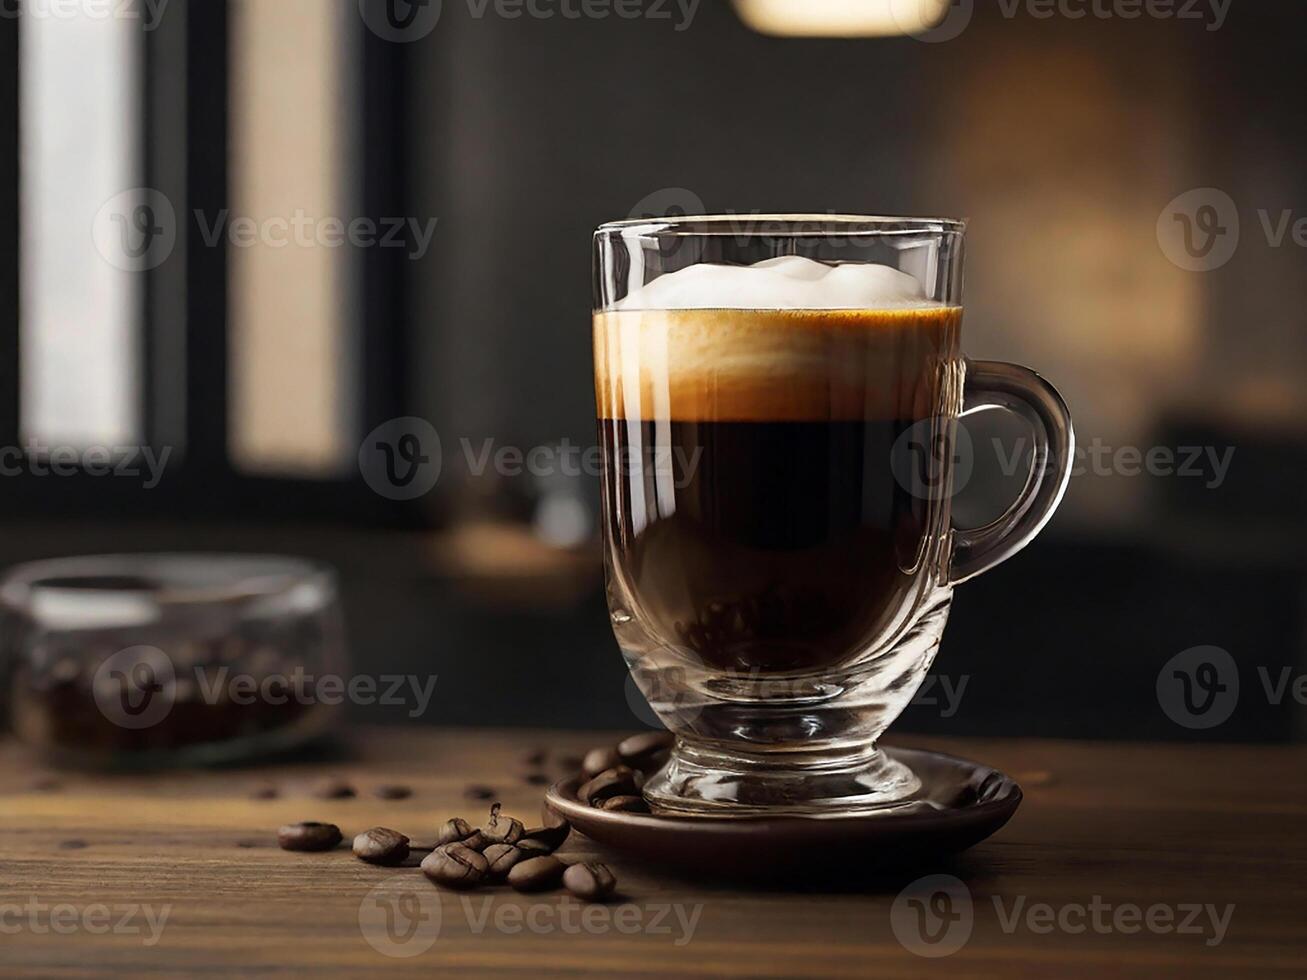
(1124, 859)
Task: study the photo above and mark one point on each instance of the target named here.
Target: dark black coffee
(779, 553)
(754, 519)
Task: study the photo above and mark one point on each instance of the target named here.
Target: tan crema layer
(772, 365)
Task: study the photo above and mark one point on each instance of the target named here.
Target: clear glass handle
(996, 385)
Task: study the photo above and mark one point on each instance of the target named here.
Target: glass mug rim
(792, 225)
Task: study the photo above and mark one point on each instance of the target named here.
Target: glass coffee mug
(778, 401)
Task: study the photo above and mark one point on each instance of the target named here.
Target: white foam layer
(787, 282)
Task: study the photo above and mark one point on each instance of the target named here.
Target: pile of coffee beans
(504, 850)
(614, 775)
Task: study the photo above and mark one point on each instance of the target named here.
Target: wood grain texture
(1133, 825)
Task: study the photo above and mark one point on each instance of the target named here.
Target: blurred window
(194, 198)
(80, 320)
(293, 293)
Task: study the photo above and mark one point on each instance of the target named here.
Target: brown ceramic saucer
(960, 804)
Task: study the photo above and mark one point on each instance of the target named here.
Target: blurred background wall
(499, 143)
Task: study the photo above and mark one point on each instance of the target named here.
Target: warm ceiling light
(841, 18)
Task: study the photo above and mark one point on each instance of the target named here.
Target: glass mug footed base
(804, 745)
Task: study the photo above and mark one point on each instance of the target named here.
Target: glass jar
(169, 659)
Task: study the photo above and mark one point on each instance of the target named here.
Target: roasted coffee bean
(552, 837)
(536, 874)
(478, 841)
(590, 880)
(392, 791)
(536, 758)
(625, 804)
(264, 793)
(479, 793)
(502, 829)
(381, 845)
(332, 788)
(617, 781)
(570, 763)
(501, 858)
(453, 830)
(645, 751)
(308, 836)
(537, 779)
(455, 866)
(533, 848)
(598, 760)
